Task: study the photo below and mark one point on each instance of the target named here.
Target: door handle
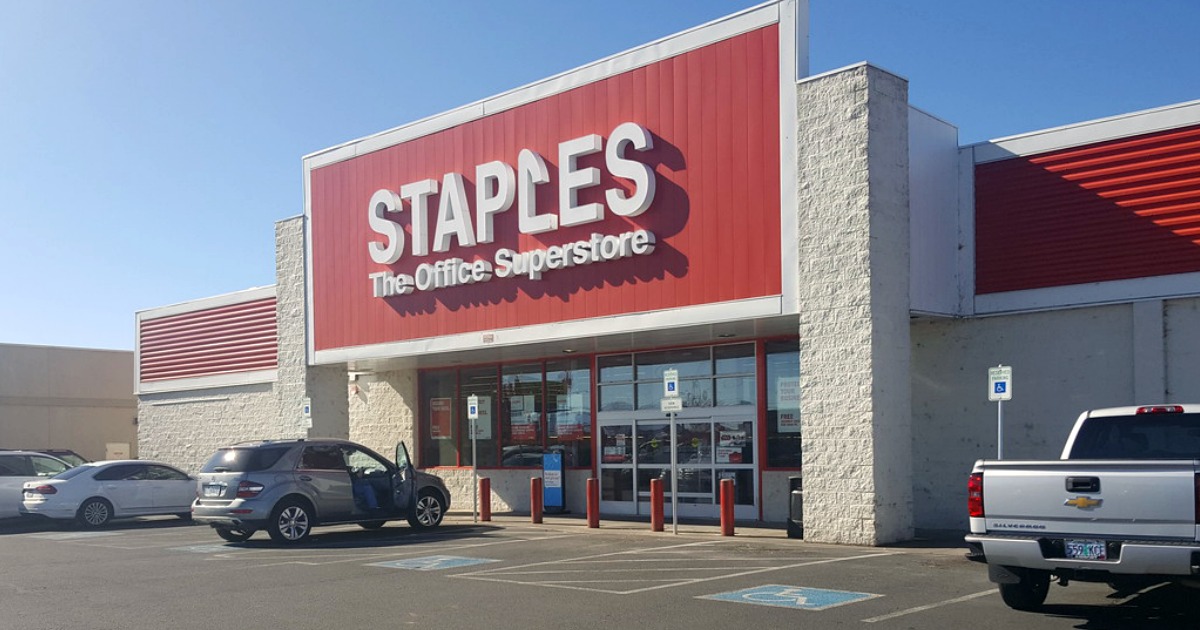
(305, 478)
(1083, 484)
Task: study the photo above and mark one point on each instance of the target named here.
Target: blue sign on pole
(552, 482)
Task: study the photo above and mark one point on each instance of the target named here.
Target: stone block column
(853, 252)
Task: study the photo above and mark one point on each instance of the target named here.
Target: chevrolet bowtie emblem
(1083, 503)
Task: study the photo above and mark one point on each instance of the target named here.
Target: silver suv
(287, 487)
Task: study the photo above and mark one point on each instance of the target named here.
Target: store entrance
(712, 444)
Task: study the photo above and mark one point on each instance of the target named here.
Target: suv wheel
(291, 521)
(428, 511)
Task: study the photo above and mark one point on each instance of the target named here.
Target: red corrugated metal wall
(1115, 210)
(714, 113)
(236, 338)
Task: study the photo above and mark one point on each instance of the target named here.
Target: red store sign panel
(653, 189)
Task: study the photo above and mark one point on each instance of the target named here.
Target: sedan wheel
(94, 513)
(428, 511)
(290, 522)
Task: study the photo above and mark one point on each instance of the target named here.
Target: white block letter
(570, 180)
(417, 194)
(531, 171)
(641, 174)
(454, 217)
(382, 202)
(487, 203)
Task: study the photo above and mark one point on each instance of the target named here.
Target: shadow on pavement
(1165, 606)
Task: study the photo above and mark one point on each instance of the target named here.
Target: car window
(47, 466)
(75, 472)
(323, 457)
(118, 472)
(251, 459)
(162, 473)
(362, 462)
(15, 466)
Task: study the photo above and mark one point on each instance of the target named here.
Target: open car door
(404, 485)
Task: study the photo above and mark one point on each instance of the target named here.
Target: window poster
(787, 404)
(524, 418)
(483, 425)
(569, 420)
(729, 446)
(440, 418)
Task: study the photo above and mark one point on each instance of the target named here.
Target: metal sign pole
(474, 473)
(999, 429)
(674, 480)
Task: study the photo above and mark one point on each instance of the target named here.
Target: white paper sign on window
(787, 404)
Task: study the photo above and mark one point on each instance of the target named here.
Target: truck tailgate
(1127, 499)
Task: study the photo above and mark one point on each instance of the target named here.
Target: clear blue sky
(148, 147)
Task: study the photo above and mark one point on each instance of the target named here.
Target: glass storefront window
(525, 411)
(737, 359)
(689, 362)
(438, 445)
(569, 410)
(520, 413)
(783, 404)
(480, 382)
(616, 397)
(616, 368)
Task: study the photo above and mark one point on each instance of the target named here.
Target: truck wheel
(1029, 593)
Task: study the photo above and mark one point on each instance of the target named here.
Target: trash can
(795, 522)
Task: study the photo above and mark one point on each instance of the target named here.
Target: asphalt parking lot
(165, 573)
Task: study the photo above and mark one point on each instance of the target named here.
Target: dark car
(287, 487)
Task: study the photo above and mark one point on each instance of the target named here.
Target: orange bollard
(656, 505)
(593, 503)
(726, 507)
(485, 499)
(535, 499)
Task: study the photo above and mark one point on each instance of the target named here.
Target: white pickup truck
(1121, 506)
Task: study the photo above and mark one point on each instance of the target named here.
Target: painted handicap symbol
(432, 563)
(788, 596)
(796, 597)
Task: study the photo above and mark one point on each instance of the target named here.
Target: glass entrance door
(710, 448)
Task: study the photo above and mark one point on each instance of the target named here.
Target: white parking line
(506, 574)
(909, 611)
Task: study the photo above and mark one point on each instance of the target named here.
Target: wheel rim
(293, 522)
(95, 513)
(429, 510)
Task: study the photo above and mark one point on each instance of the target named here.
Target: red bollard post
(656, 505)
(726, 507)
(593, 503)
(485, 499)
(535, 499)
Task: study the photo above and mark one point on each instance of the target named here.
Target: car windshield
(74, 472)
(70, 458)
(243, 459)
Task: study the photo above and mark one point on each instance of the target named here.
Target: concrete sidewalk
(948, 541)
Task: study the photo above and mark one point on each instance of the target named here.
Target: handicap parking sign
(799, 597)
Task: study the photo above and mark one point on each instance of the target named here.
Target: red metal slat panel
(228, 339)
(1110, 211)
(715, 213)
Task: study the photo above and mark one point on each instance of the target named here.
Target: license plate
(213, 490)
(1085, 549)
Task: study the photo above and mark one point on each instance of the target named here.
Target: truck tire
(1029, 593)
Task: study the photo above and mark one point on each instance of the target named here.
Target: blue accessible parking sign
(799, 597)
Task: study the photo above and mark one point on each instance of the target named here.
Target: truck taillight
(975, 495)
(1161, 409)
(248, 489)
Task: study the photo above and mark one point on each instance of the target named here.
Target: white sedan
(97, 492)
